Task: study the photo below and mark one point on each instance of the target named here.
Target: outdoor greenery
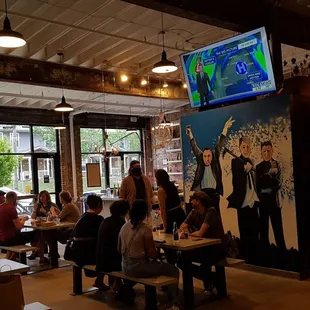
(48, 134)
(92, 139)
(8, 163)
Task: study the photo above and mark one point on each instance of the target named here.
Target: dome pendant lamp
(8, 37)
(164, 65)
(63, 106)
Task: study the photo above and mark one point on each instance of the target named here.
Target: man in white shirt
(244, 198)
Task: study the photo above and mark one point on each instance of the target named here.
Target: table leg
(77, 280)
(53, 243)
(188, 286)
(220, 280)
(150, 298)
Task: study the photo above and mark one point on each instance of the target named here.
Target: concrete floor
(247, 291)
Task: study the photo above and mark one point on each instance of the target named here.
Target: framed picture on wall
(93, 175)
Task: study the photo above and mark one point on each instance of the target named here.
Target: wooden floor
(248, 291)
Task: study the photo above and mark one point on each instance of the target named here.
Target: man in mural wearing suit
(244, 198)
(208, 175)
(203, 85)
(268, 180)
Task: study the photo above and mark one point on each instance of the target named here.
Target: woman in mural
(244, 198)
(268, 179)
(208, 175)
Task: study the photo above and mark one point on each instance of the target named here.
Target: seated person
(85, 234)
(139, 253)
(43, 206)
(11, 224)
(2, 197)
(41, 209)
(70, 213)
(203, 221)
(108, 257)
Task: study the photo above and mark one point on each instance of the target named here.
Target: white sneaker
(173, 308)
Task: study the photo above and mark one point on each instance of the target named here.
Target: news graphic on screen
(232, 69)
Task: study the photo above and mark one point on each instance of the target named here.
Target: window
(44, 139)
(1, 135)
(124, 140)
(113, 167)
(14, 140)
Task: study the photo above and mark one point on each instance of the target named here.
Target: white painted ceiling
(40, 97)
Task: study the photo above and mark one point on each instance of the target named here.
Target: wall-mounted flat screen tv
(232, 69)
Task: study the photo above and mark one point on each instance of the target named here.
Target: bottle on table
(175, 232)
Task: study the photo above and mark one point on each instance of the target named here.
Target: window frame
(108, 153)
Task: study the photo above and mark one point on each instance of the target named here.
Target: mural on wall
(241, 156)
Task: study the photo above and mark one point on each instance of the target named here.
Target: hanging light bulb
(165, 85)
(164, 65)
(184, 85)
(124, 78)
(8, 37)
(143, 82)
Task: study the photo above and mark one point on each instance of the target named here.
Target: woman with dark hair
(139, 253)
(169, 201)
(43, 206)
(85, 235)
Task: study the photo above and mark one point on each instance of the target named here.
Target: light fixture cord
(61, 73)
(6, 8)
(162, 29)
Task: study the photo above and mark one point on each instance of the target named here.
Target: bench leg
(220, 281)
(23, 260)
(150, 298)
(77, 281)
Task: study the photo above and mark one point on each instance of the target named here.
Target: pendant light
(63, 106)
(61, 126)
(164, 65)
(8, 37)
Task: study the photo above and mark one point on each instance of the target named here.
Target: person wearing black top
(85, 235)
(108, 257)
(169, 201)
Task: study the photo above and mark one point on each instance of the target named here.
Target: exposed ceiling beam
(49, 74)
(240, 15)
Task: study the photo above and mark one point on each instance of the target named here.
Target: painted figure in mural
(244, 198)
(268, 180)
(208, 175)
(203, 85)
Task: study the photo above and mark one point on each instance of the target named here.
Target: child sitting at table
(203, 221)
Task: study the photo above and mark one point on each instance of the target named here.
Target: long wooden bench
(150, 284)
(21, 250)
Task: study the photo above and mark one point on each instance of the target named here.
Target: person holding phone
(203, 222)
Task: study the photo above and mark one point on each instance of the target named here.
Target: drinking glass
(57, 220)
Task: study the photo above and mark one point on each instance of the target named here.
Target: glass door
(47, 175)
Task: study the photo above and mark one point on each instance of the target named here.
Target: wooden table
(8, 267)
(185, 245)
(53, 242)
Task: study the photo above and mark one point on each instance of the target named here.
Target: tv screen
(232, 69)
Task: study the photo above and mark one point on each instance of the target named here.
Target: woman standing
(169, 201)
